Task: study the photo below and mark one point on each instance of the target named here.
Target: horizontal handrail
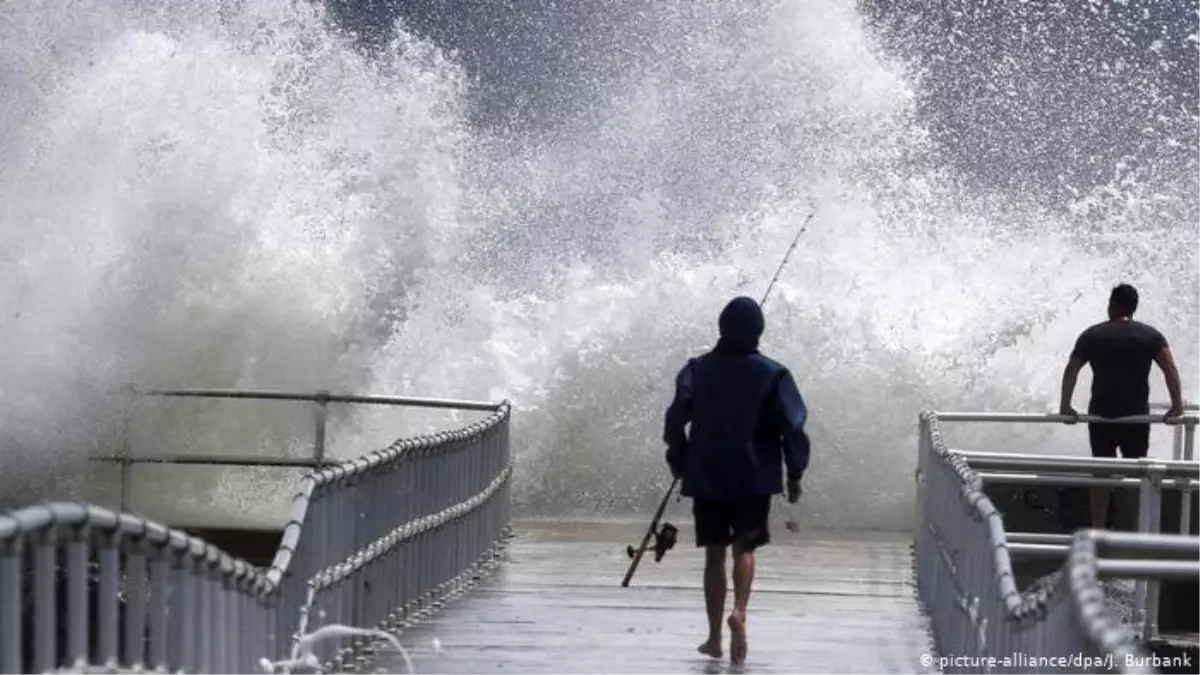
(1131, 547)
(1056, 481)
(219, 460)
(1140, 542)
(1166, 570)
(1187, 419)
(1060, 480)
(1036, 550)
(1184, 426)
(1131, 567)
(319, 397)
(1038, 538)
(1187, 406)
(1073, 464)
(322, 399)
(32, 519)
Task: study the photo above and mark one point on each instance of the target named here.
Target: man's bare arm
(1166, 361)
(1069, 378)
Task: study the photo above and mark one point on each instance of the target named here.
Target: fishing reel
(664, 540)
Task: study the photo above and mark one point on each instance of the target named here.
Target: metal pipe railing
(1038, 538)
(1060, 480)
(1031, 550)
(219, 460)
(1153, 475)
(1054, 480)
(431, 510)
(320, 399)
(323, 397)
(1160, 570)
(964, 556)
(1073, 464)
(1183, 442)
(1188, 406)
(1187, 419)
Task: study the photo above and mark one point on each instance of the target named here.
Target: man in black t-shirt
(1120, 352)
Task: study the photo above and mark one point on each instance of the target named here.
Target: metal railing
(981, 621)
(376, 542)
(320, 401)
(1183, 445)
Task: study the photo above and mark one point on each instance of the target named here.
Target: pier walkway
(822, 603)
(416, 541)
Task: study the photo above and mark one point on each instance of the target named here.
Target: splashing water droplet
(303, 656)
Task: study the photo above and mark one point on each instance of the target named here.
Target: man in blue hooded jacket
(747, 421)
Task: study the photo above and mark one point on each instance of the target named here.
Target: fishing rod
(665, 537)
(783, 263)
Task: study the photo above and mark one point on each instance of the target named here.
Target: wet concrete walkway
(823, 602)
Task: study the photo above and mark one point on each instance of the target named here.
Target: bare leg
(714, 598)
(743, 577)
(1099, 508)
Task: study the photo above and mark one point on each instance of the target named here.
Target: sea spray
(236, 195)
(302, 652)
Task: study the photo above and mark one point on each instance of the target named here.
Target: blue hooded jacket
(747, 416)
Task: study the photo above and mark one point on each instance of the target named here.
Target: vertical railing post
(78, 545)
(1149, 515)
(1143, 526)
(45, 601)
(1185, 506)
(108, 598)
(1189, 437)
(923, 450)
(179, 611)
(11, 602)
(134, 653)
(320, 417)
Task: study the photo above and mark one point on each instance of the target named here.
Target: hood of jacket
(741, 324)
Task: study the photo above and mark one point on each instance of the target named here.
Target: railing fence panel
(981, 621)
(375, 542)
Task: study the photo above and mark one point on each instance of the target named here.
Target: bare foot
(737, 638)
(711, 648)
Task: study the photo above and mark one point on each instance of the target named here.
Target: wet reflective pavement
(822, 602)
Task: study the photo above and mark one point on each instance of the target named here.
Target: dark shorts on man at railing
(726, 522)
(1132, 439)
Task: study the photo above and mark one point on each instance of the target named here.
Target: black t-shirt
(1120, 353)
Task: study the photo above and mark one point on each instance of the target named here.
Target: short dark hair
(1124, 298)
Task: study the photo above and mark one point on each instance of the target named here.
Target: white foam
(304, 658)
(230, 196)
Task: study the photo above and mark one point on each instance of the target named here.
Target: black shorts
(742, 522)
(1132, 439)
